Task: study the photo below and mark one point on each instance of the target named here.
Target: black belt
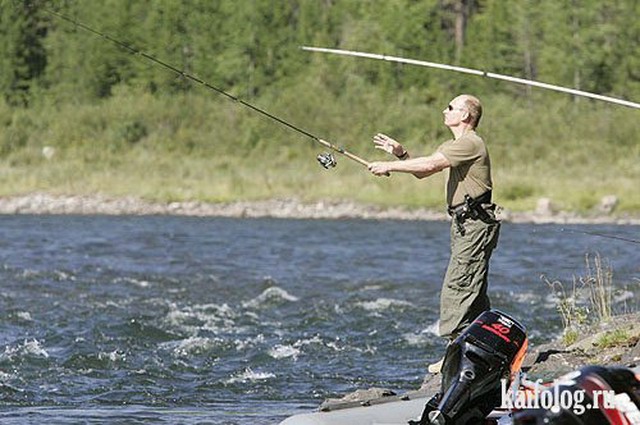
(463, 207)
(472, 209)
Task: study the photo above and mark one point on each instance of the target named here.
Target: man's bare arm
(420, 167)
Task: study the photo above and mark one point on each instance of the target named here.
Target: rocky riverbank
(612, 343)
(45, 203)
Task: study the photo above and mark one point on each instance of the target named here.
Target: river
(163, 319)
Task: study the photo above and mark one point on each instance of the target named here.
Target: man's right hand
(389, 145)
(380, 168)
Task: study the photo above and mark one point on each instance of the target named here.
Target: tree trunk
(460, 11)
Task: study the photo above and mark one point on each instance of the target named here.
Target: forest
(80, 114)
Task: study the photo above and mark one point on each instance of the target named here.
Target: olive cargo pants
(464, 291)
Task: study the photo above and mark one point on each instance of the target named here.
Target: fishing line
(602, 235)
(326, 159)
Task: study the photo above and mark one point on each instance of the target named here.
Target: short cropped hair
(474, 107)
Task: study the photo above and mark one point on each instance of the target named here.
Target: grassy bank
(202, 147)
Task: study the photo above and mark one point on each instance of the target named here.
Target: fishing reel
(327, 160)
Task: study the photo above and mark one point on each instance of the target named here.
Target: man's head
(463, 110)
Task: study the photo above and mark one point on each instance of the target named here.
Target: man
(474, 229)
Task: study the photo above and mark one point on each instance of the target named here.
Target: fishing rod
(325, 159)
(473, 72)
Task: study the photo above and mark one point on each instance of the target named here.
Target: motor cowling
(599, 395)
(492, 348)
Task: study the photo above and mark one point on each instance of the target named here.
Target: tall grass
(589, 299)
(200, 146)
(599, 280)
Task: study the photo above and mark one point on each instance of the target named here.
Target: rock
(608, 204)
(357, 397)
(545, 207)
(48, 152)
(632, 357)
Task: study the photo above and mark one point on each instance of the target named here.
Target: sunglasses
(451, 108)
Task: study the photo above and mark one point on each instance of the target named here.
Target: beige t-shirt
(470, 171)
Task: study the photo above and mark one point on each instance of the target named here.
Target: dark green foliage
(22, 55)
(14, 136)
(247, 46)
(131, 132)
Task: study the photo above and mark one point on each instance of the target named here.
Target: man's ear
(466, 116)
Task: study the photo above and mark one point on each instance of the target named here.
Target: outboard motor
(594, 395)
(492, 348)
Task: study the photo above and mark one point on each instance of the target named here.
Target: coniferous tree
(22, 55)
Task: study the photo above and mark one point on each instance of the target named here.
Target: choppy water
(229, 321)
